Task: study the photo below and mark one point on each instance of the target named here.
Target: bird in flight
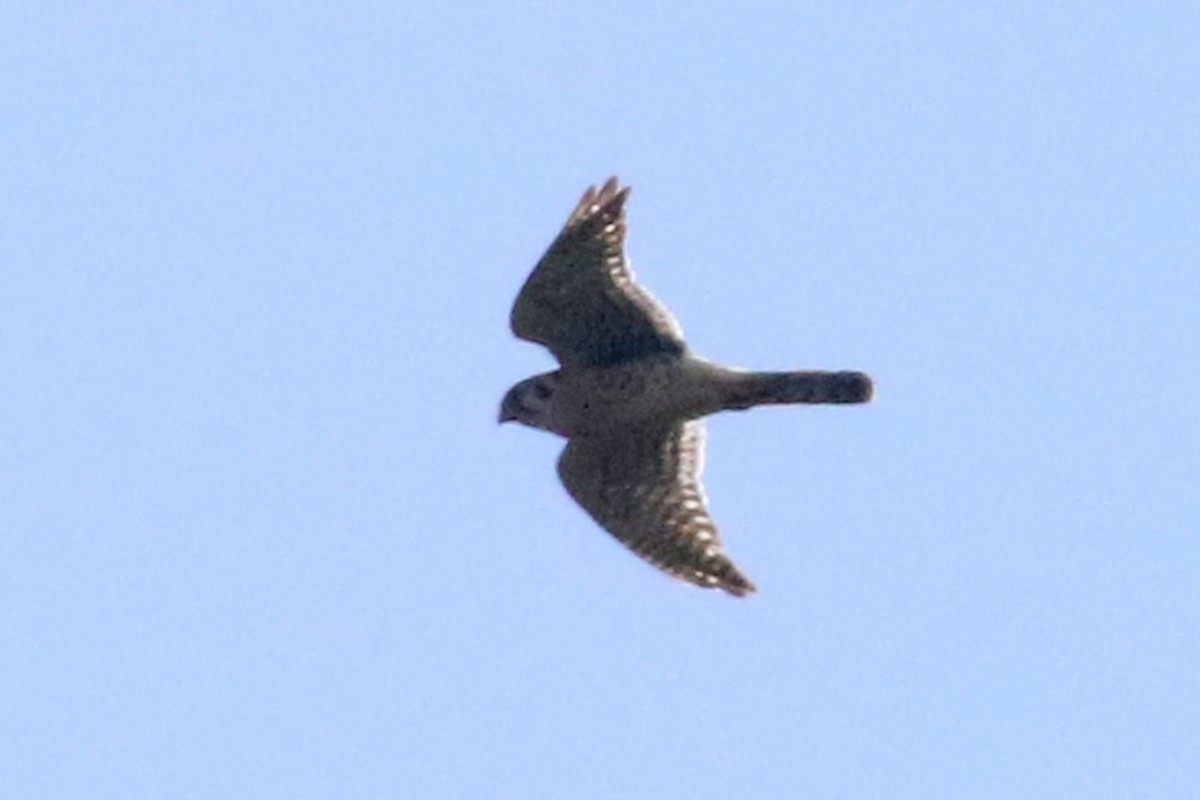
(629, 396)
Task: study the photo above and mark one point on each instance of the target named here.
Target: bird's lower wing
(643, 486)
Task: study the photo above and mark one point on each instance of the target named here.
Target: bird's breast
(650, 390)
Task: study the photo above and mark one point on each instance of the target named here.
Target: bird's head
(530, 402)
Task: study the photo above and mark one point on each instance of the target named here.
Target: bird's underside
(629, 396)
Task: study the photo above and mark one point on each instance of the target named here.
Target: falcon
(629, 396)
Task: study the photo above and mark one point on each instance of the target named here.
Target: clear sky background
(261, 537)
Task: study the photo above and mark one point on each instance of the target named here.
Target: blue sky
(261, 536)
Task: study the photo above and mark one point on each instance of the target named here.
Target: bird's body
(629, 395)
(662, 388)
(604, 400)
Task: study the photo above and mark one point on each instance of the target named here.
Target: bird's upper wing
(643, 486)
(581, 301)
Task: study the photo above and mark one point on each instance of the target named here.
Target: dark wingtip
(717, 572)
(612, 194)
(610, 197)
(728, 579)
(739, 588)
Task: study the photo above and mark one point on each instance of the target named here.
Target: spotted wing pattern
(581, 301)
(644, 487)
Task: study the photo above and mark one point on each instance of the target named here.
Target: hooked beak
(506, 415)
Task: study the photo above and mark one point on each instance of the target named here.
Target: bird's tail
(747, 389)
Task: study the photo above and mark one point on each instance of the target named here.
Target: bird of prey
(629, 395)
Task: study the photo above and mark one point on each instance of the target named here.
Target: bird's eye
(541, 390)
